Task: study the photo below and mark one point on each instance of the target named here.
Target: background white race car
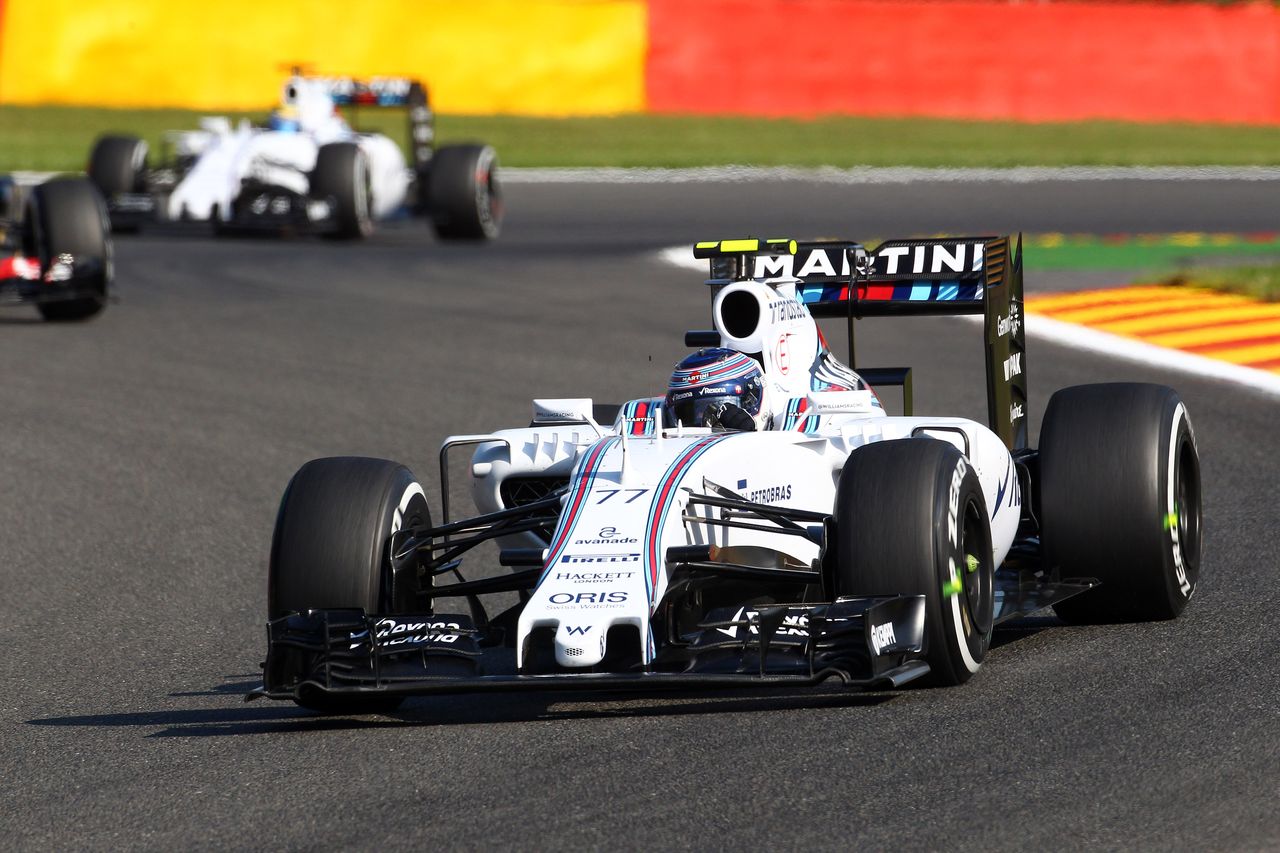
(838, 542)
(308, 169)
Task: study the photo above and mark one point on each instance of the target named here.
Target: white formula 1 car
(839, 541)
(307, 170)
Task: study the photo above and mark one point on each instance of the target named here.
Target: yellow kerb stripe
(1088, 297)
(1164, 307)
(1161, 323)
(1216, 334)
(1247, 355)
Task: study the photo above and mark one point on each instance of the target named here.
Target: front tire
(330, 548)
(1120, 500)
(67, 216)
(117, 164)
(341, 175)
(463, 193)
(911, 520)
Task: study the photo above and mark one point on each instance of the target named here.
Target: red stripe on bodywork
(882, 292)
(663, 498)
(637, 426)
(580, 495)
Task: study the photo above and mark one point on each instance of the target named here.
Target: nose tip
(579, 645)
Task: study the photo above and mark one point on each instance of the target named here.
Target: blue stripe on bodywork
(663, 496)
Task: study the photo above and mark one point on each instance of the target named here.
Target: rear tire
(329, 549)
(67, 216)
(341, 176)
(463, 194)
(893, 522)
(1120, 500)
(117, 164)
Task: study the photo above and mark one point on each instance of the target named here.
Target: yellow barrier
(532, 57)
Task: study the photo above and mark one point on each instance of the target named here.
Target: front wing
(870, 643)
(24, 281)
(258, 207)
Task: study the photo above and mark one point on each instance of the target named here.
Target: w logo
(577, 631)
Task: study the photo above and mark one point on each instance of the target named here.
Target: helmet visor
(702, 407)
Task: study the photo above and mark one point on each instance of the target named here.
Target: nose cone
(579, 645)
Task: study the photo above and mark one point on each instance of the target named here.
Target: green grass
(1247, 264)
(1260, 282)
(58, 138)
(1149, 254)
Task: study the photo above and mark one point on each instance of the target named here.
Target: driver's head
(305, 105)
(718, 388)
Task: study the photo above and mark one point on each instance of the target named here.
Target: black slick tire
(1120, 500)
(341, 176)
(911, 520)
(464, 196)
(329, 549)
(117, 164)
(67, 216)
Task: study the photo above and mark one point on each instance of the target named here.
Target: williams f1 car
(307, 170)
(836, 542)
(55, 247)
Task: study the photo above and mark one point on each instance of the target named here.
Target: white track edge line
(856, 175)
(885, 174)
(1091, 340)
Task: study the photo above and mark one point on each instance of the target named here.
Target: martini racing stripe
(907, 291)
(640, 417)
(587, 471)
(658, 510)
(798, 418)
(795, 408)
(738, 367)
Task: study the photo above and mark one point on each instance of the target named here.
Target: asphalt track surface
(145, 452)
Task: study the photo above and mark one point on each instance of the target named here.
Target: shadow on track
(269, 717)
(1023, 627)
(265, 717)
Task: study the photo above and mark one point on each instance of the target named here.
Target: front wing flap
(67, 278)
(864, 642)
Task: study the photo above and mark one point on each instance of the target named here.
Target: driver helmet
(705, 385)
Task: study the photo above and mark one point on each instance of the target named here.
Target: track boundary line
(1091, 340)
(851, 175)
(884, 174)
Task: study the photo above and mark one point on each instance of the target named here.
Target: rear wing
(937, 276)
(389, 92)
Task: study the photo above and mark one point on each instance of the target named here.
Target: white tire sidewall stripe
(1185, 586)
(397, 520)
(958, 625)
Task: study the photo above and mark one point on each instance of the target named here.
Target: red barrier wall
(1031, 62)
